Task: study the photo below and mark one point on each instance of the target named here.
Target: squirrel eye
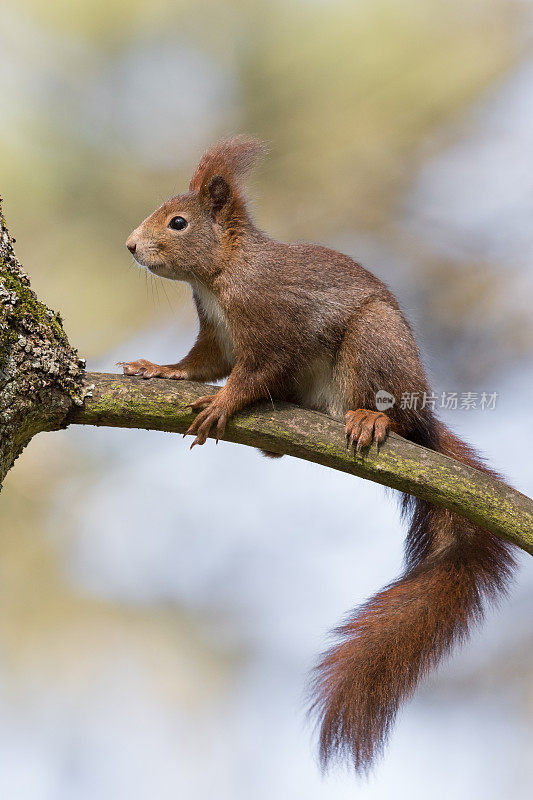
(178, 223)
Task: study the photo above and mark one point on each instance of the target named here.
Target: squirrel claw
(202, 402)
(364, 427)
(206, 419)
(146, 369)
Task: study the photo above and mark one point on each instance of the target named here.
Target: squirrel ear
(219, 192)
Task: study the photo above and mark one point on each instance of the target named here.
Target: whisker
(165, 293)
(270, 396)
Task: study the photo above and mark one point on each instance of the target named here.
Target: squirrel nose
(131, 246)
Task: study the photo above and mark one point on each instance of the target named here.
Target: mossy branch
(118, 401)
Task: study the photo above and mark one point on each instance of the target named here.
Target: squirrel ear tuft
(219, 175)
(219, 193)
(230, 158)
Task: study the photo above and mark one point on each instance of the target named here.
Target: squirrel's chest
(216, 316)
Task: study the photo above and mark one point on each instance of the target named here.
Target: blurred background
(160, 609)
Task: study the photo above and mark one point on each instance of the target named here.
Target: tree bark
(43, 387)
(40, 373)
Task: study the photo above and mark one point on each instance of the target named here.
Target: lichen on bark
(40, 373)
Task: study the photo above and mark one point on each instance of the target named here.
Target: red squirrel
(303, 323)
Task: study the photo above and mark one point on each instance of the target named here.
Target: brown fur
(230, 158)
(392, 641)
(307, 324)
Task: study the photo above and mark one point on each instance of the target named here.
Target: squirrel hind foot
(362, 427)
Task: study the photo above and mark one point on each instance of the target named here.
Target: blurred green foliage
(347, 94)
(105, 105)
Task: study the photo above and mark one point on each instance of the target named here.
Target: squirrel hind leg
(270, 454)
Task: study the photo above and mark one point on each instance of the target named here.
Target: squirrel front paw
(213, 413)
(362, 427)
(145, 369)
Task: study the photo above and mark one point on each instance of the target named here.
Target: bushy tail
(392, 641)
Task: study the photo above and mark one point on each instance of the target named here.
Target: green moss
(27, 304)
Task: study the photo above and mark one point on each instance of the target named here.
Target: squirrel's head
(192, 235)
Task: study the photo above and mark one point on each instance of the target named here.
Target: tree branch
(117, 401)
(43, 386)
